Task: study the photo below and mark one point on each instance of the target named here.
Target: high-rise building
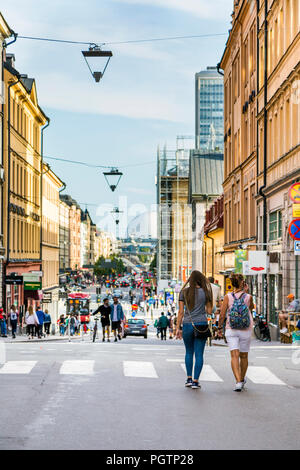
(209, 106)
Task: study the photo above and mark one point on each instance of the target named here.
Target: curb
(41, 340)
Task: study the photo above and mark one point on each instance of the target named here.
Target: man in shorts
(116, 316)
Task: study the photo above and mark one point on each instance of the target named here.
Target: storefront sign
(258, 262)
(47, 297)
(37, 273)
(14, 280)
(294, 229)
(294, 193)
(240, 256)
(31, 277)
(32, 285)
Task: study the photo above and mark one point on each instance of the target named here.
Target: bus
(78, 303)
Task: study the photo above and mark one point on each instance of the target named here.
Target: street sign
(258, 262)
(32, 285)
(294, 229)
(37, 273)
(228, 286)
(47, 297)
(297, 248)
(296, 211)
(294, 192)
(133, 314)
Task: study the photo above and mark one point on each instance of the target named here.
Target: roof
(206, 174)
(210, 72)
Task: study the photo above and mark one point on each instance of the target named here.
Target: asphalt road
(131, 395)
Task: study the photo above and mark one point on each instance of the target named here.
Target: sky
(145, 99)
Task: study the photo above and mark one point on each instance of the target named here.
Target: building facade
(209, 105)
(64, 237)
(22, 197)
(5, 32)
(74, 230)
(50, 240)
(278, 113)
(239, 63)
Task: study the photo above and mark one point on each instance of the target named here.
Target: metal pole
(297, 276)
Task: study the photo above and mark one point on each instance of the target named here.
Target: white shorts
(238, 339)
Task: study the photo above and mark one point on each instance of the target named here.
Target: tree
(104, 268)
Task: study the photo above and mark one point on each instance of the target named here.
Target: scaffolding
(174, 214)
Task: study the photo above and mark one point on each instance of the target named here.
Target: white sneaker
(284, 330)
(244, 382)
(238, 387)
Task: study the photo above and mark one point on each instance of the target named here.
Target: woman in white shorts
(238, 340)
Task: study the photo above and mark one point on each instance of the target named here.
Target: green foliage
(115, 266)
(153, 263)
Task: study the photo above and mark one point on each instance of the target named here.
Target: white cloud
(202, 8)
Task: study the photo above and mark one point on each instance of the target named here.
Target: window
(275, 225)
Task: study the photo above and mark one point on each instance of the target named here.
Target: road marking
(149, 349)
(261, 357)
(262, 375)
(175, 360)
(18, 367)
(139, 369)
(207, 374)
(286, 357)
(77, 368)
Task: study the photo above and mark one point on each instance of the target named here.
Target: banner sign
(258, 262)
(240, 256)
(32, 285)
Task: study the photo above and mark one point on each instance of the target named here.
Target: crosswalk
(141, 369)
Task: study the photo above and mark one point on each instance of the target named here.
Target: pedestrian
(3, 324)
(116, 315)
(31, 321)
(195, 303)
(157, 327)
(47, 323)
(216, 291)
(105, 311)
(62, 325)
(13, 320)
(41, 317)
(238, 330)
(170, 320)
(163, 324)
(72, 321)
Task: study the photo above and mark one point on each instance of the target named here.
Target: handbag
(200, 331)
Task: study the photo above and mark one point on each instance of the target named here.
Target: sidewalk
(24, 339)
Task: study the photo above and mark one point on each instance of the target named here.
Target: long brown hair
(197, 279)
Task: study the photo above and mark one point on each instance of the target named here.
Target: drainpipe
(213, 255)
(262, 188)
(8, 172)
(205, 254)
(41, 190)
(219, 70)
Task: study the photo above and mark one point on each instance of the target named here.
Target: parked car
(135, 327)
(117, 293)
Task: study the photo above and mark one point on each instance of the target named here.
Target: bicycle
(261, 329)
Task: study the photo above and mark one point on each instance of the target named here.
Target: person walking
(3, 324)
(31, 321)
(62, 325)
(105, 311)
(41, 317)
(47, 323)
(13, 320)
(163, 324)
(238, 328)
(195, 303)
(72, 321)
(116, 315)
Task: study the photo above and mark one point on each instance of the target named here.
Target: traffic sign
(296, 211)
(297, 248)
(228, 286)
(294, 192)
(294, 229)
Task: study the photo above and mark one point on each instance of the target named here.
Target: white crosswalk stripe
(262, 375)
(139, 369)
(77, 368)
(18, 367)
(207, 374)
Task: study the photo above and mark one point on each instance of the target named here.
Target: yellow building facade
(51, 185)
(22, 164)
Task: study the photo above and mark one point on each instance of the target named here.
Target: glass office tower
(209, 111)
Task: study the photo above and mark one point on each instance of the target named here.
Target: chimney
(10, 59)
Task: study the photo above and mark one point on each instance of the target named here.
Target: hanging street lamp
(113, 178)
(116, 215)
(95, 51)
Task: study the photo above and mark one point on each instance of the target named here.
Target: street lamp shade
(113, 178)
(96, 52)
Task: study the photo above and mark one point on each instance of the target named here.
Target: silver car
(135, 327)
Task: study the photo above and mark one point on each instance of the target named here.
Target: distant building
(74, 227)
(209, 108)
(64, 236)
